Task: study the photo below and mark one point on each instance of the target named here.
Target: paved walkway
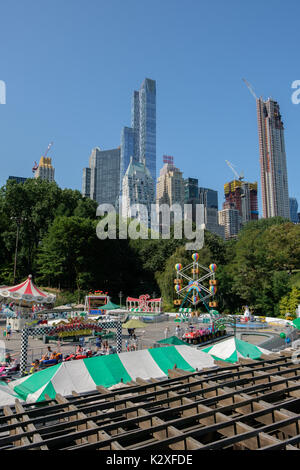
(146, 337)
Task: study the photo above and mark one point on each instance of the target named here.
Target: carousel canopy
(27, 292)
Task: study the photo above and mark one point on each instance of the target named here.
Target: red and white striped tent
(27, 292)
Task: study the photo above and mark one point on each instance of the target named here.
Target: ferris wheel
(195, 284)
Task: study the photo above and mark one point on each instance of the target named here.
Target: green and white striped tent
(231, 349)
(85, 374)
(7, 395)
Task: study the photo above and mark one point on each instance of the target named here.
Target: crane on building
(239, 177)
(35, 166)
(250, 88)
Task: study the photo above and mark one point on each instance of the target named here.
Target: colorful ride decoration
(144, 304)
(202, 335)
(94, 301)
(191, 283)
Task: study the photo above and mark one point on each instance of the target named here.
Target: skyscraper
(139, 140)
(170, 184)
(45, 170)
(230, 218)
(294, 210)
(209, 199)
(101, 181)
(137, 189)
(274, 180)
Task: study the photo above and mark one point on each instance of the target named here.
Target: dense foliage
(59, 246)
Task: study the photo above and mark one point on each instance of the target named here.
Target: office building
(209, 199)
(17, 179)
(101, 180)
(274, 179)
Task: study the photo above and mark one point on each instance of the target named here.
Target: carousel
(24, 300)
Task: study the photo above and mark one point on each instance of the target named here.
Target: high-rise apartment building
(45, 170)
(274, 180)
(137, 189)
(101, 181)
(139, 141)
(230, 218)
(294, 210)
(169, 191)
(170, 184)
(243, 195)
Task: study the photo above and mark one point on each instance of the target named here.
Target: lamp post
(120, 297)
(18, 221)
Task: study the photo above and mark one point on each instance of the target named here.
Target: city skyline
(205, 113)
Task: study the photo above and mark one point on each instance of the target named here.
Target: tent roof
(231, 349)
(134, 324)
(27, 291)
(172, 340)
(296, 323)
(85, 374)
(109, 306)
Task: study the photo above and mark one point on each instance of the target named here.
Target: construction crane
(250, 88)
(240, 177)
(35, 166)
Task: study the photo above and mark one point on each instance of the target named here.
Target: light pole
(120, 297)
(18, 221)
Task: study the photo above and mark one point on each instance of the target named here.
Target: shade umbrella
(232, 349)
(84, 375)
(134, 324)
(172, 340)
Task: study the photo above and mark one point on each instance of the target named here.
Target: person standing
(167, 332)
(8, 331)
(177, 331)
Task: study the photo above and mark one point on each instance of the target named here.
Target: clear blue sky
(70, 68)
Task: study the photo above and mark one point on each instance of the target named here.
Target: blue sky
(70, 67)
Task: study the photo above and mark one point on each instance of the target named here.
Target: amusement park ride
(196, 284)
(192, 289)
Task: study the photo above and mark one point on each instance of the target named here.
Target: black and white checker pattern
(42, 330)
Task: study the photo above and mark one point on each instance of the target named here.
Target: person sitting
(53, 355)
(35, 367)
(79, 349)
(8, 359)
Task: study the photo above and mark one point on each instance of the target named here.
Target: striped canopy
(85, 374)
(231, 349)
(27, 292)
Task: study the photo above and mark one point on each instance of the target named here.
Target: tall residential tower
(274, 180)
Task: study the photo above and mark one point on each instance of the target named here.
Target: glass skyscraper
(139, 141)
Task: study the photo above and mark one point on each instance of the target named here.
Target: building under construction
(250, 405)
(243, 195)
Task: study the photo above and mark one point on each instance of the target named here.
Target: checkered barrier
(44, 330)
